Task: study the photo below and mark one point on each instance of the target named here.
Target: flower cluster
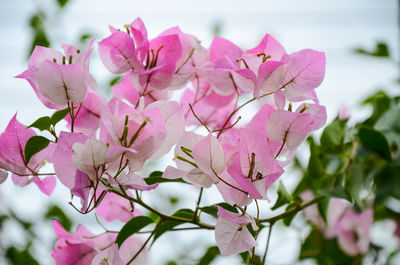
(108, 143)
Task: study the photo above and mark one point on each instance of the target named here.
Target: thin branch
(202, 123)
(267, 245)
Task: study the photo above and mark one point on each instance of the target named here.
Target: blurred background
(344, 30)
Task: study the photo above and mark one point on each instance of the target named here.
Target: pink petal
(46, 185)
(109, 256)
(62, 83)
(118, 53)
(232, 238)
(209, 156)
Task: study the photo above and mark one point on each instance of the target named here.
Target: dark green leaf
(85, 36)
(288, 219)
(34, 145)
(381, 50)
(43, 123)
(209, 256)
(354, 182)
(58, 116)
(20, 257)
(54, 212)
(62, 3)
(380, 103)
(283, 197)
(131, 227)
(315, 167)
(169, 224)
(375, 141)
(115, 80)
(333, 135)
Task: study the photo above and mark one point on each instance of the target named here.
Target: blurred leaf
(134, 225)
(173, 200)
(58, 116)
(55, 212)
(288, 219)
(171, 262)
(380, 103)
(354, 182)
(43, 123)
(85, 37)
(34, 145)
(209, 256)
(283, 196)
(381, 50)
(338, 191)
(311, 247)
(375, 141)
(333, 135)
(115, 80)
(169, 224)
(62, 3)
(20, 257)
(315, 167)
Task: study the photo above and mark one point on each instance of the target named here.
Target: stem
(202, 123)
(238, 108)
(292, 211)
(197, 205)
(161, 215)
(144, 244)
(267, 245)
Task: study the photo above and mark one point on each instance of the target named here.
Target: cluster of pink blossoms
(108, 142)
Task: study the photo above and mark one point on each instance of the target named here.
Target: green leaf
(20, 257)
(381, 50)
(315, 167)
(288, 219)
(131, 227)
(34, 145)
(43, 123)
(115, 80)
(169, 224)
(156, 177)
(312, 245)
(333, 136)
(283, 196)
(58, 116)
(338, 191)
(62, 3)
(354, 182)
(375, 141)
(380, 103)
(211, 253)
(55, 212)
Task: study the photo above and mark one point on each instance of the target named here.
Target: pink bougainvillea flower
(353, 231)
(299, 75)
(109, 256)
(290, 128)
(89, 156)
(231, 233)
(145, 131)
(212, 108)
(78, 248)
(351, 228)
(58, 79)
(186, 167)
(12, 157)
(173, 117)
(87, 119)
(62, 157)
(226, 76)
(114, 207)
